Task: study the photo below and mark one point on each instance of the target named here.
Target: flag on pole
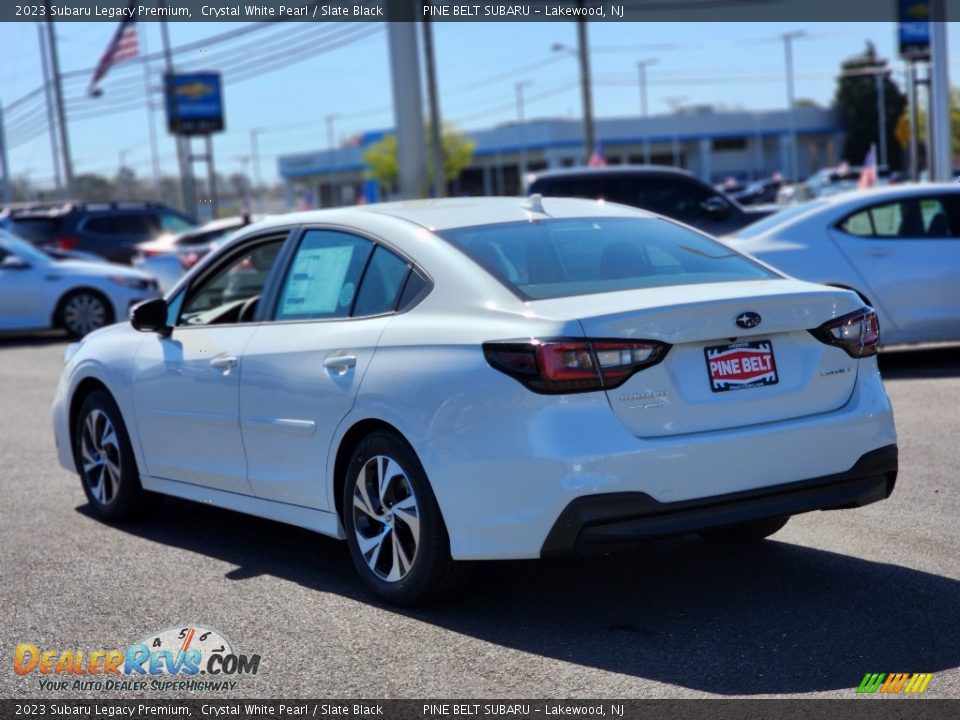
(123, 46)
(597, 159)
(868, 175)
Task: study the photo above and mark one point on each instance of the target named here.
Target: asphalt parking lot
(832, 597)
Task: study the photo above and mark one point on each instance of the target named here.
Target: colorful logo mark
(894, 683)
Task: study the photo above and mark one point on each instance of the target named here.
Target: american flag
(597, 159)
(868, 174)
(123, 46)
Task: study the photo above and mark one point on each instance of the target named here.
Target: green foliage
(856, 102)
(903, 123)
(381, 157)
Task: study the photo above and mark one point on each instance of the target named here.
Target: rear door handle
(339, 363)
(223, 362)
(878, 252)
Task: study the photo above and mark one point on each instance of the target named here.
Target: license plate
(740, 366)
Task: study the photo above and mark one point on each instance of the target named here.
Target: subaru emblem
(747, 320)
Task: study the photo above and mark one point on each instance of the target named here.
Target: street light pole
(51, 119)
(642, 79)
(255, 159)
(58, 99)
(941, 167)
(583, 49)
(433, 100)
(788, 39)
(329, 121)
(521, 124)
(880, 79)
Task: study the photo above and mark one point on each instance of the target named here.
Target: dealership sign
(194, 103)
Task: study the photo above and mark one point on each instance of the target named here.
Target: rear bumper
(613, 521)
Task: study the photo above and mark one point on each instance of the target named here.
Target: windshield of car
(778, 218)
(577, 256)
(22, 249)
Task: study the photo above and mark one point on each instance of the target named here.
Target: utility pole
(521, 125)
(151, 123)
(255, 159)
(436, 140)
(914, 121)
(583, 49)
(880, 79)
(642, 79)
(51, 117)
(407, 101)
(788, 39)
(4, 165)
(188, 188)
(58, 97)
(940, 155)
(330, 148)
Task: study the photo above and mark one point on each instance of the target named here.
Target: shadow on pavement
(775, 618)
(35, 339)
(930, 362)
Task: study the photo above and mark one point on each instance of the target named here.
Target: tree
(856, 103)
(381, 157)
(90, 187)
(903, 124)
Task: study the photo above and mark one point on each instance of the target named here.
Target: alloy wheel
(100, 457)
(386, 518)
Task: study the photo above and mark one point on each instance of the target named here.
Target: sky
(732, 65)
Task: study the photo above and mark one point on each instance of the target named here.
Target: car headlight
(134, 283)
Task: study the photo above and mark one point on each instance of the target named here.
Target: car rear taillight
(66, 242)
(573, 365)
(858, 333)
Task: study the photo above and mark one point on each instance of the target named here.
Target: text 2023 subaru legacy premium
(442, 381)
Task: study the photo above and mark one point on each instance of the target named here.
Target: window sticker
(316, 279)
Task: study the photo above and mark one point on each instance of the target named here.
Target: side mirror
(716, 208)
(151, 316)
(13, 262)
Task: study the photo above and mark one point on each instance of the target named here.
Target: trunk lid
(717, 375)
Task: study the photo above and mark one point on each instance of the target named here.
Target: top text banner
(732, 11)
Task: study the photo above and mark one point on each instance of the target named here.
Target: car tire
(105, 460)
(83, 311)
(745, 533)
(396, 534)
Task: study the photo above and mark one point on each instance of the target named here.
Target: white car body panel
(913, 283)
(29, 296)
(502, 460)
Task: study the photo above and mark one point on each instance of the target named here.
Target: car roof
(448, 213)
(585, 171)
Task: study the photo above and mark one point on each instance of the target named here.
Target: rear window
(562, 257)
(35, 229)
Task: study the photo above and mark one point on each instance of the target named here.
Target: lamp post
(255, 159)
(582, 53)
(642, 80)
(519, 86)
(329, 119)
(788, 39)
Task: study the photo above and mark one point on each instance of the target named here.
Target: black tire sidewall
(432, 559)
(129, 494)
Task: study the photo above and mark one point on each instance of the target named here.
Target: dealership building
(712, 144)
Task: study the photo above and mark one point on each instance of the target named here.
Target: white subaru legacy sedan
(470, 379)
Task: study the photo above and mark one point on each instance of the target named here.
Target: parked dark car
(675, 193)
(110, 230)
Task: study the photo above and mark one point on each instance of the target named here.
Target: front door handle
(878, 252)
(340, 363)
(223, 362)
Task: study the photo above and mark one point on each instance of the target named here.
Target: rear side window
(121, 225)
(323, 277)
(564, 257)
(381, 284)
(908, 218)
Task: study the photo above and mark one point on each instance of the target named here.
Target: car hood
(97, 269)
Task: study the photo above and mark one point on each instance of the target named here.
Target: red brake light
(565, 366)
(858, 333)
(66, 242)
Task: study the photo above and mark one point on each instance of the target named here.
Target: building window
(734, 143)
